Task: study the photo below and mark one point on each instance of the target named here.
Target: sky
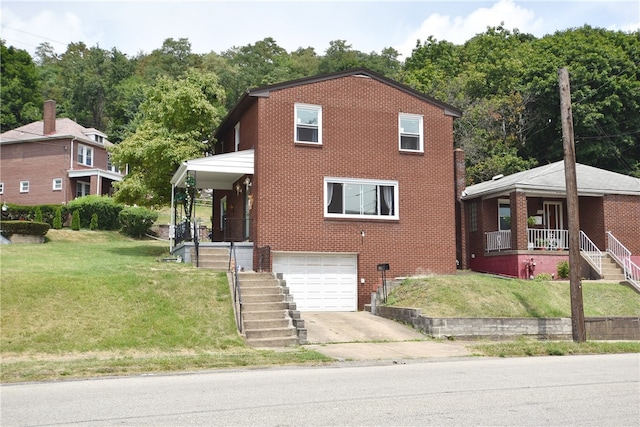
(135, 27)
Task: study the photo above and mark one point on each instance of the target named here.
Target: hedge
(103, 206)
(24, 227)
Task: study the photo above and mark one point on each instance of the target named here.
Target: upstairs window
(355, 198)
(99, 138)
(85, 155)
(410, 132)
(308, 123)
(236, 136)
(110, 166)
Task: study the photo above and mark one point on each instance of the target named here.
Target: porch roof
(550, 180)
(217, 172)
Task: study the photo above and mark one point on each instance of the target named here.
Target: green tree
(604, 69)
(93, 225)
(57, 219)
(177, 120)
(75, 220)
(21, 99)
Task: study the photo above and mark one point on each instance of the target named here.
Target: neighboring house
(326, 177)
(54, 161)
(513, 222)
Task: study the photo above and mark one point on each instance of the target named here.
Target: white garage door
(320, 281)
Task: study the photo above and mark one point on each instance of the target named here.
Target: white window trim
(420, 134)
(295, 123)
(396, 198)
(84, 149)
(57, 187)
(1, 187)
(24, 186)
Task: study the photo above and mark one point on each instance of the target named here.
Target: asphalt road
(569, 390)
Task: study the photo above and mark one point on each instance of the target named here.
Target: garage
(320, 281)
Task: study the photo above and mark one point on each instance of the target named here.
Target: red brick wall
(359, 140)
(40, 162)
(622, 219)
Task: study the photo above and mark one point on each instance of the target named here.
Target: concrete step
(273, 342)
(261, 298)
(267, 324)
(270, 333)
(264, 315)
(264, 306)
(270, 290)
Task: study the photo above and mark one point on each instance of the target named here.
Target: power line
(35, 35)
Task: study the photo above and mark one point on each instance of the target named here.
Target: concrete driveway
(364, 336)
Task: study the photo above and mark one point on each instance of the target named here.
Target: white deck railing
(591, 252)
(498, 240)
(622, 256)
(547, 239)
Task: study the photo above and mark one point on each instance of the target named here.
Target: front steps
(611, 270)
(211, 258)
(269, 317)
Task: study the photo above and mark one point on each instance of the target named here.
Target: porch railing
(591, 252)
(622, 256)
(498, 240)
(547, 239)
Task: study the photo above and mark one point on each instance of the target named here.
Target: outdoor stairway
(611, 270)
(269, 317)
(211, 258)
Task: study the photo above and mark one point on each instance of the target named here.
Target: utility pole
(577, 308)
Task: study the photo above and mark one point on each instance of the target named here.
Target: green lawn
(481, 295)
(89, 302)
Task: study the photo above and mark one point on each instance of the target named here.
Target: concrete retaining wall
(501, 328)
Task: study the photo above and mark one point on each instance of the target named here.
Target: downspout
(172, 225)
(70, 187)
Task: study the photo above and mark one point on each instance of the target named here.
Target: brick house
(54, 161)
(325, 177)
(517, 225)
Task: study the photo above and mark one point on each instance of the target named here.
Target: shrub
(38, 214)
(75, 220)
(543, 277)
(104, 206)
(563, 269)
(93, 225)
(24, 227)
(57, 219)
(137, 221)
(30, 213)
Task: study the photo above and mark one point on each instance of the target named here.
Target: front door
(554, 224)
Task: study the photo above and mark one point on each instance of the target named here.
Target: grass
(91, 303)
(98, 303)
(479, 295)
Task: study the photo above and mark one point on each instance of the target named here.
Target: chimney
(49, 117)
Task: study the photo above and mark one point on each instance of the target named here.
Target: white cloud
(458, 29)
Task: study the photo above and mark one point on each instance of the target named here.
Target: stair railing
(237, 296)
(622, 256)
(591, 252)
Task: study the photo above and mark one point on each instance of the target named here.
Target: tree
(604, 68)
(21, 99)
(177, 121)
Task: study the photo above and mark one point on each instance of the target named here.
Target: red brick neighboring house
(331, 175)
(54, 161)
(515, 221)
